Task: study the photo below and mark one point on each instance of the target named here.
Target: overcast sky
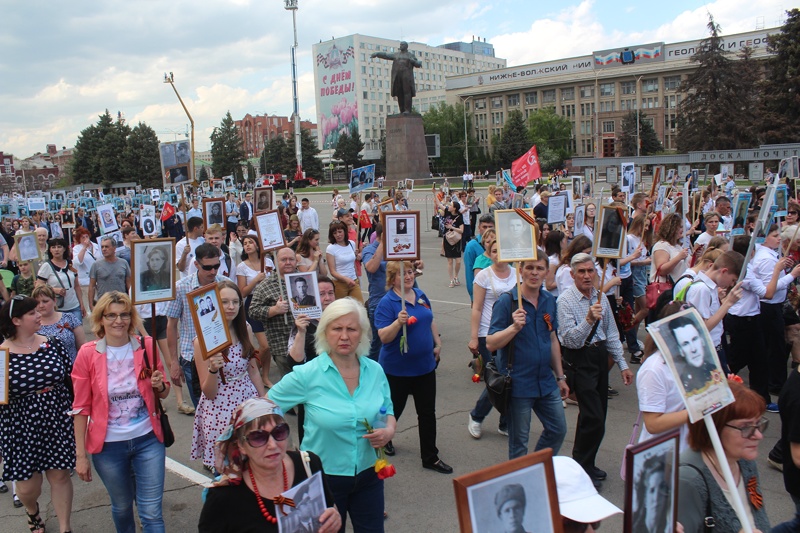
(63, 63)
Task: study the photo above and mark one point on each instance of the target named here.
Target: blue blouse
(419, 360)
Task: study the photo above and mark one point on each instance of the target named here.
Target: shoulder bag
(631, 442)
(708, 519)
(59, 298)
(655, 289)
(169, 435)
(498, 384)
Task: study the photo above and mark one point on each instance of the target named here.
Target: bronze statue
(403, 63)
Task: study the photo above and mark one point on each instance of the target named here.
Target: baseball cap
(577, 498)
(342, 212)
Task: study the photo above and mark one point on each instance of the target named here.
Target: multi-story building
(593, 91)
(354, 90)
(257, 130)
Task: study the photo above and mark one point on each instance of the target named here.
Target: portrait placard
(784, 169)
(782, 200)
(147, 219)
(56, 231)
(209, 320)
(662, 193)
(117, 236)
(214, 212)
(557, 208)
(795, 173)
(229, 184)
(155, 195)
(651, 499)
(482, 496)
(263, 200)
(401, 235)
(37, 204)
(153, 276)
(516, 238)
(269, 231)
(303, 294)
(628, 177)
(362, 178)
(612, 175)
(309, 504)
(68, 218)
(611, 241)
(175, 161)
(686, 346)
(386, 205)
(685, 197)
(27, 247)
(217, 186)
(741, 203)
(658, 173)
(577, 187)
(105, 215)
(4, 360)
(580, 218)
(409, 185)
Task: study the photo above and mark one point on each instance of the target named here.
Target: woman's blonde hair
(102, 305)
(337, 310)
(392, 269)
(43, 290)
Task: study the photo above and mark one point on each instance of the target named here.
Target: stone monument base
(406, 153)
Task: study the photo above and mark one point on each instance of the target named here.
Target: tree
(514, 140)
(98, 155)
(650, 143)
(203, 173)
(781, 96)
(311, 163)
(141, 160)
(551, 133)
(349, 148)
(251, 171)
(714, 115)
(448, 121)
(271, 157)
(227, 151)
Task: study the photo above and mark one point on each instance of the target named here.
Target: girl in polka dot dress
(242, 378)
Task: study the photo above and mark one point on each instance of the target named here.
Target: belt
(596, 344)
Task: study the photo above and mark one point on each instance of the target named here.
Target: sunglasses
(570, 526)
(795, 213)
(208, 268)
(749, 431)
(17, 298)
(260, 437)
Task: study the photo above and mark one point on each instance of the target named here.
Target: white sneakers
(474, 428)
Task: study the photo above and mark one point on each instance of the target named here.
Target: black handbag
(498, 384)
(166, 429)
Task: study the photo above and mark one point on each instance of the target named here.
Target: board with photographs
(304, 298)
(107, 219)
(214, 212)
(209, 320)
(176, 162)
(516, 237)
(401, 235)
(153, 273)
(610, 243)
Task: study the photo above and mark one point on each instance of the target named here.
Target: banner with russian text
(526, 168)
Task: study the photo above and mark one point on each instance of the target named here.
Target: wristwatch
(561, 378)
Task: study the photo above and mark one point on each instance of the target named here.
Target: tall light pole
(466, 135)
(171, 80)
(291, 5)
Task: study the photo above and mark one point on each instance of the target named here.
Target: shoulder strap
(55, 273)
(306, 462)
(708, 520)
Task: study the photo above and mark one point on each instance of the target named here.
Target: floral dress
(63, 331)
(213, 416)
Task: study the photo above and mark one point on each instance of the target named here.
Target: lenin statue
(403, 63)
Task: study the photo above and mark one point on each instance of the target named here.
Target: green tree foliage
(781, 89)
(551, 133)
(514, 141)
(251, 172)
(448, 121)
(272, 156)
(312, 165)
(716, 113)
(141, 158)
(227, 152)
(98, 152)
(203, 173)
(348, 149)
(650, 143)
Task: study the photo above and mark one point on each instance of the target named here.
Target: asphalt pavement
(417, 500)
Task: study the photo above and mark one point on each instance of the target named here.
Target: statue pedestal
(406, 153)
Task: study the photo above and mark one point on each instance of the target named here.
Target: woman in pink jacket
(116, 420)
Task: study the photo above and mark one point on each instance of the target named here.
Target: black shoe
(636, 359)
(596, 482)
(389, 449)
(440, 466)
(3, 488)
(596, 473)
(612, 392)
(17, 503)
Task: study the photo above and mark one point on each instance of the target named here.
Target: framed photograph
(651, 502)
(612, 175)
(105, 215)
(409, 185)
(741, 204)
(362, 178)
(117, 236)
(37, 204)
(309, 503)
(559, 205)
(516, 238)
(263, 200)
(611, 241)
(153, 275)
(155, 195)
(214, 212)
(580, 217)
(303, 293)
(4, 359)
(658, 173)
(176, 175)
(628, 177)
(269, 231)
(795, 167)
(782, 200)
(577, 187)
(27, 247)
(686, 346)
(209, 320)
(55, 230)
(68, 218)
(386, 205)
(217, 186)
(400, 235)
(685, 196)
(662, 192)
(671, 175)
(522, 491)
(229, 185)
(147, 219)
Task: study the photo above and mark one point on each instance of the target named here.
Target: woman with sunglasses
(256, 468)
(118, 389)
(702, 489)
(237, 366)
(36, 433)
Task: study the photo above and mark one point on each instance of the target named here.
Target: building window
(480, 103)
(649, 103)
(671, 83)
(497, 102)
(513, 100)
(587, 91)
(606, 89)
(627, 87)
(365, 95)
(587, 109)
(497, 118)
(672, 101)
(608, 126)
(363, 69)
(650, 86)
(607, 107)
(568, 110)
(568, 93)
(549, 96)
(531, 98)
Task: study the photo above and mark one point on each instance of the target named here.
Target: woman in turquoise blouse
(340, 390)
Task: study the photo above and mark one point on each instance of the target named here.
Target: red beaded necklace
(271, 519)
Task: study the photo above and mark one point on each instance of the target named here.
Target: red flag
(364, 220)
(526, 168)
(167, 212)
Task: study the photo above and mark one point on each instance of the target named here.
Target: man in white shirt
(184, 249)
(227, 268)
(309, 219)
(195, 211)
(232, 210)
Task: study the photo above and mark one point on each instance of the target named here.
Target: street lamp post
(466, 135)
(291, 5)
(171, 80)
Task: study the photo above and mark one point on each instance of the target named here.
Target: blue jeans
(483, 406)
(134, 469)
(187, 367)
(360, 496)
(793, 525)
(375, 344)
(550, 411)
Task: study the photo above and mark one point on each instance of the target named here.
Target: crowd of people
(558, 332)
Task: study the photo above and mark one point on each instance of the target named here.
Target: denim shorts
(639, 273)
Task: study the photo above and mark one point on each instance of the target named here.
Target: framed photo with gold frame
(610, 241)
(400, 235)
(269, 231)
(152, 270)
(209, 320)
(68, 218)
(263, 200)
(516, 238)
(479, 495)
(386, 205)
(4, 359)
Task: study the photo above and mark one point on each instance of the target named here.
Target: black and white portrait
(577, 187)
(183, 152)
(304, 294)
(263, 199)
(309, 504)
(515, 236)
(68, 218)
(108, 222)
(153, 270)
(782, 199)
(209, 323)
(611, 241)
(213, 210)
(27, 247)
(401, 227)
(147, 219)
(628, 177)
(580, 217)
(167, 151)
(651, 488)
(179, 174)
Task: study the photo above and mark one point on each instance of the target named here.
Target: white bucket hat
(577, 497)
